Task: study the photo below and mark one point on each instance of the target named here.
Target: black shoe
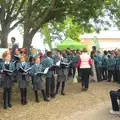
(86, 89)
(46, 99)
(37, 101)
(9, 105)
(5, 107)
(62, 93)
(52, 96)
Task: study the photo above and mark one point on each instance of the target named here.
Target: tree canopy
(34, 14)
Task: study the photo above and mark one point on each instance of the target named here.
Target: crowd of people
(16, 67)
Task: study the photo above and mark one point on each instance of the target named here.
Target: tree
(40, 12)
(10, 10)
(46, 32)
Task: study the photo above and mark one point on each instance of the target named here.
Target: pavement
(100, 112)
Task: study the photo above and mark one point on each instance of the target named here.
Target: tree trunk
(27, 42)
(4, 37)
(50, 45)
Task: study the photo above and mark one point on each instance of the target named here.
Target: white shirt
(6, 62)
(85, 57)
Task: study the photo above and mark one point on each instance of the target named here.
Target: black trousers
(50, 86)
(118, 76)
(114, 96)
(23, 92)
(111, 73)
(74, 70)
(99, 73)
(70, 71)
(7, 97)
(85, 77)
(36, 95)
(104, 73)
(58, 85)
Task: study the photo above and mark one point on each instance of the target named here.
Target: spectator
(114, 95)
(14, 47)
(85, 63)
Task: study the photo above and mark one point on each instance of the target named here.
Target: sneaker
(114, 112)
(47, 99)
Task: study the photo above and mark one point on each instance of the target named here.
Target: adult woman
(85, 63)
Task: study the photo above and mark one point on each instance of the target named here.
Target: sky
(38, 42)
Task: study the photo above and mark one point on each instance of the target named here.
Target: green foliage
(46, 32)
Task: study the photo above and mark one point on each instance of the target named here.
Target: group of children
(107, 65)
(21, 70)
(24, 71)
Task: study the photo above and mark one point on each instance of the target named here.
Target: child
(111, 67)
(50, 80)
(23, 78)
(7, 79)
(38, 83)
(62, 73)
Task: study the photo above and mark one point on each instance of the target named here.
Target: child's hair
(5, 54)
(34, 51)
(34, 59)
(25, 57)
(49, 53)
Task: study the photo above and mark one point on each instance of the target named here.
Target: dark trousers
(7, 97)
(23, 92)
(104, 73)
(58, 85)
(118, 76)
(114, 95)
(111, 73)
(70, 71)
(99, 73)
(50, 85)
(85, 77)
(36, 95)
(74, 70)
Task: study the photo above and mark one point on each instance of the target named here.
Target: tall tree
(40, 12)
(10, 10)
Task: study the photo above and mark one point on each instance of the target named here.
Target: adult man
(114, 95)
(14, 47)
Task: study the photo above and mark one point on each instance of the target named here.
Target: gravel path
(75, 104)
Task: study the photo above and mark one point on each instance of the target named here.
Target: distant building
(108, 40)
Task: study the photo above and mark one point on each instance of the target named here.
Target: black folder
(24, 71)
(16, 57)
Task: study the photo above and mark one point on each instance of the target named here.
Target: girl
(7, 78)
(38, 83)
(62, 73)
(111, 67)
(23, 78)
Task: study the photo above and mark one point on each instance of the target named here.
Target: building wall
(107, 41)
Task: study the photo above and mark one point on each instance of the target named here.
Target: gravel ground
(74, 102)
